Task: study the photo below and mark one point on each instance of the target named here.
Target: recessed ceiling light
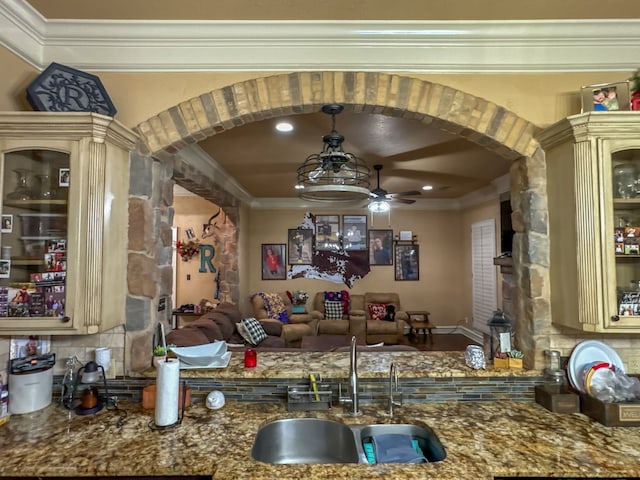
(428, 187)
(284, 127)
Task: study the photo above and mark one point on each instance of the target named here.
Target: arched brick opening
(454, 111)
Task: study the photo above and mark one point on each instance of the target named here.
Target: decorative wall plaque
(64, 89)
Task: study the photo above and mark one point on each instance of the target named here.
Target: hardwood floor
(439, 342)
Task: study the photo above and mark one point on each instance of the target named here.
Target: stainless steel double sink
(315, 440)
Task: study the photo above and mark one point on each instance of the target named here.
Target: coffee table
(419, 320)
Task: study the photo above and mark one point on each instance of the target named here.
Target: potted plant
(298, 300)
(159, 355)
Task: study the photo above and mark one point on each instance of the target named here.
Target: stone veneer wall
(454, 111)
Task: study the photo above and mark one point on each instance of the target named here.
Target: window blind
(484, 282)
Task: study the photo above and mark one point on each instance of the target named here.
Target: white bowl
(201, 355)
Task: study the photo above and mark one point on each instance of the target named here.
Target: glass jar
(625, 177)
(554, 374)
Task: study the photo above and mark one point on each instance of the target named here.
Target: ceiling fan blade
(402, 200)
(404, 194)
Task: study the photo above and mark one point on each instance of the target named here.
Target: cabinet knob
(615, 318)
(65, 319)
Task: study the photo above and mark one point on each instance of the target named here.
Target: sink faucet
(393, 386)
(353, 380)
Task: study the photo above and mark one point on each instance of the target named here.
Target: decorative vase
(47, 192)
(157, 359)
(23, 190)
(635, 100)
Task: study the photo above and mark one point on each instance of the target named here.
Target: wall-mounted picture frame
(603, 97)
(5, 268)
(273, 258)
(407, 262)
(327, 232)
(300, 246)
(7, 223)
(354, 232)
(380, 247)
(28, 345)
(63, 177)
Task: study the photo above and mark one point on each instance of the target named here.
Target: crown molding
(515, 46)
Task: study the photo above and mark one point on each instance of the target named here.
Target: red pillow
(377, 311)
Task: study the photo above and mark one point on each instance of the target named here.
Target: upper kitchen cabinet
(64, 202)
(593, 182)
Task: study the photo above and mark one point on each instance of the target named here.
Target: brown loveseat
(299, 324)
(352, 323)
(220, 324)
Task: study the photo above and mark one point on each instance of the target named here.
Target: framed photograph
(354, 232)
(28, 345)
(407, 262)
(380, 246)
(327, 232)
(5, 268)
(7, 223)
(603, 97)
(63, 177)
(406, 235)
(300, 248)
(273, 267)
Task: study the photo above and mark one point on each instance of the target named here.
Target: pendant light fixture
(333, 175)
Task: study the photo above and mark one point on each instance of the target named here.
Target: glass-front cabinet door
(33, 253)
(625, 214)
(64, 182)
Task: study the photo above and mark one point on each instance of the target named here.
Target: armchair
(389, 332)
(351, 323)
(299, 324)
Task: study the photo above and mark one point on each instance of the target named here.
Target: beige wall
(539, 98)
(193, 212)
(443, 266)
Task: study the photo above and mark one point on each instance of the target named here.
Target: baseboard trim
(474, 335)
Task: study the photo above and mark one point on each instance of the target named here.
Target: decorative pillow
(332, 310)
(342, 296)
(377, 311)
(275, 307)
(251, 331)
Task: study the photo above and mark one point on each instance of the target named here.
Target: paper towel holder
(152, 423)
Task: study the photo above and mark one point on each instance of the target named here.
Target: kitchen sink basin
(305, 440)
(314, 440)
(427, 440)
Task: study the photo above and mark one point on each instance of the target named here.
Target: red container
(250, 358)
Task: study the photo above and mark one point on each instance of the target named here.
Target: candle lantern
(500, 333)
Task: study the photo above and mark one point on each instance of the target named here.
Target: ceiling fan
(380, 198)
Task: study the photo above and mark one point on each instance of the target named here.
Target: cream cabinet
(593, 185)
(64, 205)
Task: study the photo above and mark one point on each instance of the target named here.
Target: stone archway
(454, 111)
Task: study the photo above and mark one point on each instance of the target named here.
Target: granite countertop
(371, 364)
(482, 440)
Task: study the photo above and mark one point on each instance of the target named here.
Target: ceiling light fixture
(379, 206)
(284, 127)
(333, 175)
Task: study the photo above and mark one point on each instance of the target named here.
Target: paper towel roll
(167, 388)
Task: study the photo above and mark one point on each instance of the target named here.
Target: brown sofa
(300, 324)
(352, 323)
(382, 330)
(220, 324)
